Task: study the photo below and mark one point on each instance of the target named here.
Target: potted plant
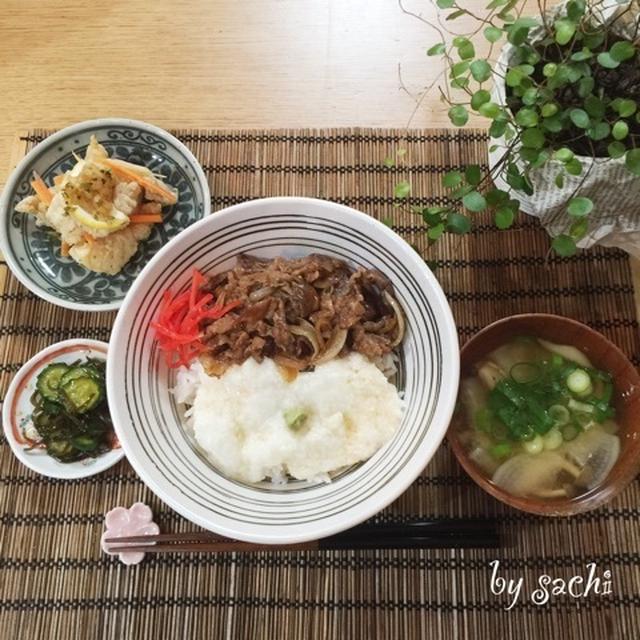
(564, 115)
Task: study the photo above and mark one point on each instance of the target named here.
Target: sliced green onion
(295, 418)
(553, 439)
(579, 382)
(570, 432)
(559, 414)
(585, 420)
(581, 407)
(501, 450)
(525, 372)
(557, 360)
(534, 446)
(482, 419)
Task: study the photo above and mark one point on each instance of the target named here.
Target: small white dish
(17, 409)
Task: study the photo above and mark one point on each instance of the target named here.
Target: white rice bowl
(240, 418)
(150, 423)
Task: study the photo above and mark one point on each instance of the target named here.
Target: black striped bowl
(149, 423)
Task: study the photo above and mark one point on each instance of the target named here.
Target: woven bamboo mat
(54, 582)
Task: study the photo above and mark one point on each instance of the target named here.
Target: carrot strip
(57, 180)
(149, 185)
(178, 325)
(145, 218)
(41, 189)
(64, 249)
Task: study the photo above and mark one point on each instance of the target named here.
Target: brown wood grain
(218, 63)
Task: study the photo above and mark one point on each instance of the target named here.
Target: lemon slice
(83, 217)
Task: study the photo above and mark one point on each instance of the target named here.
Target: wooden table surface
(217, 63)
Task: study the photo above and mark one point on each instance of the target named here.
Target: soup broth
(540, 419)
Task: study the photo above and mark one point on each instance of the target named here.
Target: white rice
(238, 418)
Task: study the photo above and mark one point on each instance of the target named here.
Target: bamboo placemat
(54, 582)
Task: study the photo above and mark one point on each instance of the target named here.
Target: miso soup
(540, 419)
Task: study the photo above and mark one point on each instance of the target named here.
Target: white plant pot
(615, 191)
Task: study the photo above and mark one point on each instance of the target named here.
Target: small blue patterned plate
(33, 253)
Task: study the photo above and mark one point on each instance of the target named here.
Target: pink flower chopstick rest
(121, 522)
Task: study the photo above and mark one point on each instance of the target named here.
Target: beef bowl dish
(283, 370)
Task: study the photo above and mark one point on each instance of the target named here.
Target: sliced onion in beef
(333, 348)
(393, 303)
(260, 294)
(306, 330)
(290, 363)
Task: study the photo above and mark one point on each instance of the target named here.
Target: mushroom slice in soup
(595, 451)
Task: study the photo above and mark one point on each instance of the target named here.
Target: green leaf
(533, 138)
(579, 117)
(599, 131)
(580, 56)
(517, 36)
(389, 162)
(445, 4)
(498, 127)
(553, 124)
(594, 39)
(564, 245)
(622, 51)
(632, 161)
(514, 178)
(530, 155)
(530, 96)
(434, 233)
(549, 70)
(625, 107)
(479, 98)
(452, 179)
(563, 155)
(579, 228)
(579, 207)
(437, 49)
(559, 181)
(480, 70)
(576, 9)
(585, 86)
(466, 51)
(527, 117)
(459, 83)
(456, 14)
(616, 150)
(514, 77)
(525, 21)
(574, 167)
(387, 221)
(594, 106)
(458, 223)
(620, 130)
(549, 109)
(605, 60)
(473, 174)
(495, 197)
(458, 115)
(565, 30)
(504, 217)
(459, 68)
(542, 159)
(402, 190)
(489, 110)
(493, 34)
(474, 201)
